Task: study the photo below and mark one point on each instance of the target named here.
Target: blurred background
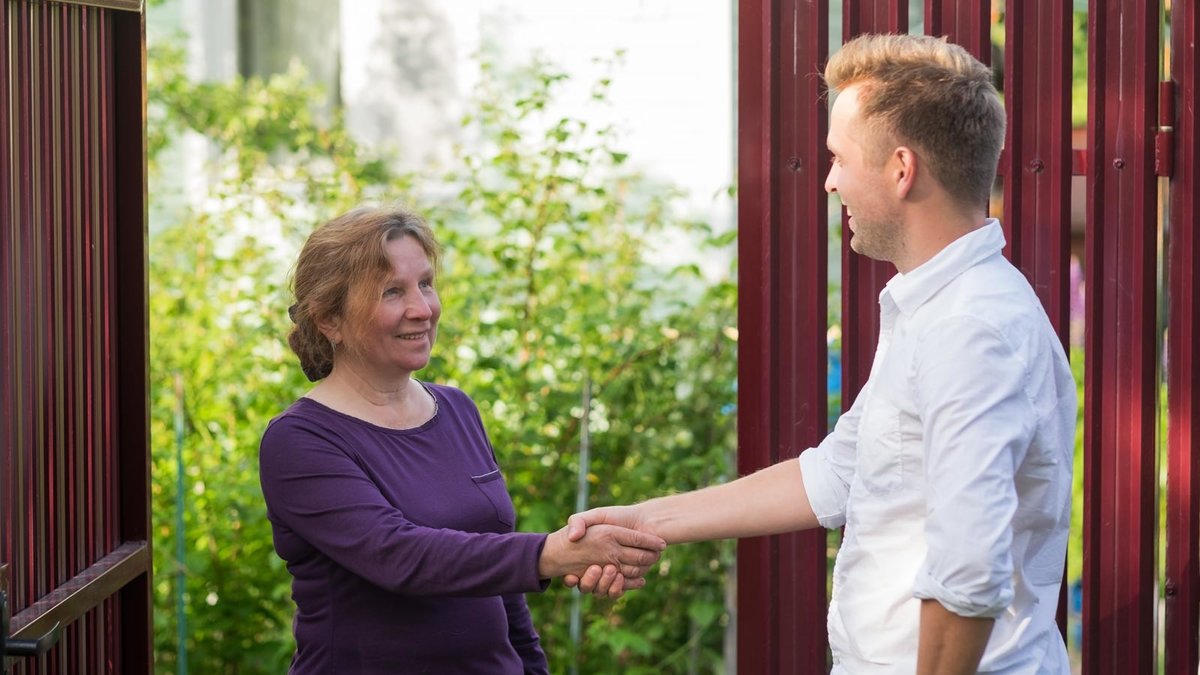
(576, 160)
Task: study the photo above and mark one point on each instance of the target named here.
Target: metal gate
(74, 451)
(1141, 134)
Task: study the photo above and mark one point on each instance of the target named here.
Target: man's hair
(933, 96)
(340, 275)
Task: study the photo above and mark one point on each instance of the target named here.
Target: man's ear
(903, 167)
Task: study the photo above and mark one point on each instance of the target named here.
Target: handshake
(605, 551)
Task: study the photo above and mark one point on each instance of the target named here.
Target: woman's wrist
(548, 564)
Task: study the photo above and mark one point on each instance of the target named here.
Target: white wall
(408, 69)
(672, 100)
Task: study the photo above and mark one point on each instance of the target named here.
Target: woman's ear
(904, 170)
(331, 328)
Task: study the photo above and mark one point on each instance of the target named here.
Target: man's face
(858, 176)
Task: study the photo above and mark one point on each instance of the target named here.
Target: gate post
(782, 276)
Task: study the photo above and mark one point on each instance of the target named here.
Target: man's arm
(978, 424)
(770, 501)
(950, 644)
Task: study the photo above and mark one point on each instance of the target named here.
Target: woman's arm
(315, 490)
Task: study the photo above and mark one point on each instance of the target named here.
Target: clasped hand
(603, 558)
(608, 579)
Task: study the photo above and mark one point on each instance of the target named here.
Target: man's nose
(831, 178)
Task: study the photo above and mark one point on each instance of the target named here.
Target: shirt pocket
(880, 463)
(491, 484)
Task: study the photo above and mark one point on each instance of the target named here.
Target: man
(952, 470)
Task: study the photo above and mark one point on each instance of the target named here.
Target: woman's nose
(418, 308)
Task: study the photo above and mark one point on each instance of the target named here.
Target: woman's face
(401, 333)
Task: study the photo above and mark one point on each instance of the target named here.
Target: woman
(384, 494)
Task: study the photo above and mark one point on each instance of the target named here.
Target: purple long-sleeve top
(400, 543)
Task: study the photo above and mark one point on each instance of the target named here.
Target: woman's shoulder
(450, 394)
(303, 417)
(302, 410)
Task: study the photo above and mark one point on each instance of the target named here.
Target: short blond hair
(932, 95)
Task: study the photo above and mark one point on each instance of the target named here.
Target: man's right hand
(626, 553)
(624, 516)
(769, 501)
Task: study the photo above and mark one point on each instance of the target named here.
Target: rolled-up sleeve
(978, 423)
(828, 469)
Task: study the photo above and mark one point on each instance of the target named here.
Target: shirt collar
(910, 291)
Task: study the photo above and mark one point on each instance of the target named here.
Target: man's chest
(891, 437)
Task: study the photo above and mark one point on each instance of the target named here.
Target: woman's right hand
(624, 555)
(604, 580)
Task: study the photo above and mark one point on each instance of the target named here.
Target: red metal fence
(74, 460)
(1182, 583)
(1141, 135)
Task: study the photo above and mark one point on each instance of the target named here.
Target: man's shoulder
(993, 291)
(990, 307)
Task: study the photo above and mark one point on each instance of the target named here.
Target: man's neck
(930, 230)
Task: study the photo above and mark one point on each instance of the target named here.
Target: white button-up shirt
(952, 470)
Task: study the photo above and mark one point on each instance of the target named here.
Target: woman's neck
(396, 403)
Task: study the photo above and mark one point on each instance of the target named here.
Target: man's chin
(867, 251)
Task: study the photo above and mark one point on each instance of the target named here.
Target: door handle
(9, 647)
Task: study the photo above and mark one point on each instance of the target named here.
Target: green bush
(548, 284)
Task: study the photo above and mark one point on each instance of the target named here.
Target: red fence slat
(782, 245)
(966, 23)
(801, 272)
(7, 281)
(1037, 181)
(1037, 194)
(1182, 587)
(757, 64)
(126, 203)
(1119, 415)
(863, 278)
(874, 16)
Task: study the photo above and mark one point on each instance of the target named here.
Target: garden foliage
(550, 281)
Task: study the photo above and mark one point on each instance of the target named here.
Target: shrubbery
(549, 283)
